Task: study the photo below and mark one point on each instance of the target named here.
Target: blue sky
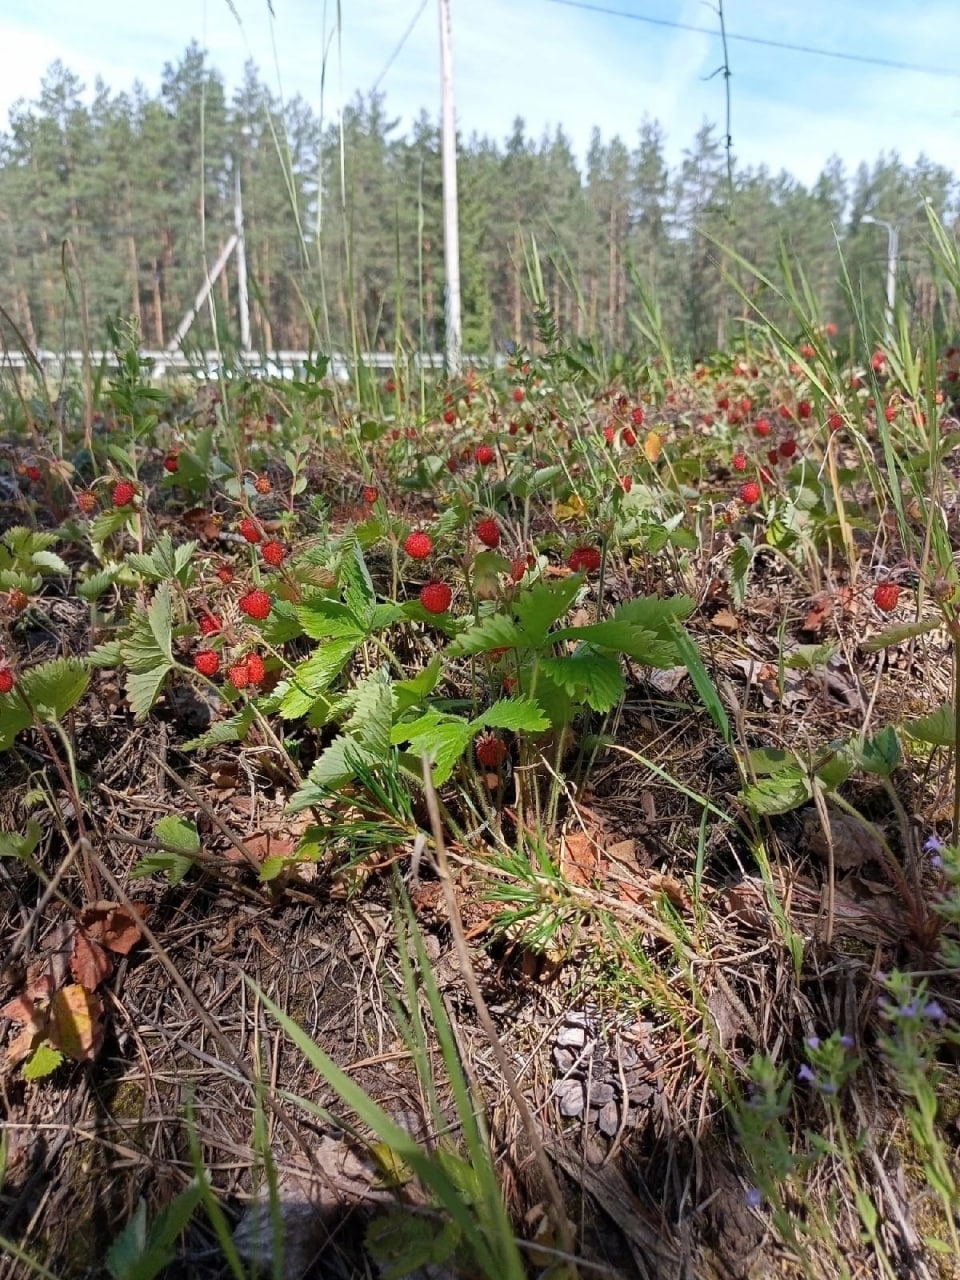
(548, 63)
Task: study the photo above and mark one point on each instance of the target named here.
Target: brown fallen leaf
(90, 965)
(75, 1023)
(580, 862)
(724, 620)
(821, 607)
(853, 844)
(115, 927)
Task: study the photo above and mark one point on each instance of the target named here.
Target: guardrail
(277, 364)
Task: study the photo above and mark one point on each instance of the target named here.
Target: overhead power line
(399, 46)
(890, 63)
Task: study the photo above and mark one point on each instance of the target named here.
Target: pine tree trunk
(157, 304)
(517, 290)
(134, 261)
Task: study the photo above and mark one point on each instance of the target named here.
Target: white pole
(451, 231)
(893, 258)
(188, 319)
(244, 296)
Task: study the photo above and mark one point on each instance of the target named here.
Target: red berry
(17, 600)
(886, 596)
(225, 574)
(626, 483)
(835, 422)
(262, 484)
(87, 502)
(609, 434)
(637, 416)
(435, 597)
(484, 454)
(804, 409)
(255, 604)
(239, 674)
(370, 494)
(629, 437)
(274, 553)
(33, 474)
(488, 531)
(248, 530)
(518, 568)
(210, 625)
(773, 457)
(255, 668)
(450, 416)
(171, 463)
(418, 545)
(750, 492)
(6, 679)
(207, 662)
(518, 394)
(739, 462)
(491, 751)
(890, 412)
(123, 493)
(586, 558)
(762, 427)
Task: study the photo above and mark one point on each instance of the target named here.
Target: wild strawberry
(835, 422)
(274, 553)
(626, 483)
(450, 416)
(878, 361)
(6, 679)
(785, 412)
(586, 558)
(418, 545)
(629, 437)
(207, 662)
(87, 502)
(488, 531)
(890, 412)
(255, 604)
(788, 448)
(17, 600)
(773, 457)
(750, 492)
(370, 494)
(209, 625)
(248, 530)
(804, 409)
(739, 462)
(886, 595)
(123, 493)
(609, 434)
(262, 484)
(33, 474)
(518, 394)
(636, 417)
(518, 568)
(171, 463)
(225, 574)
(484, 454)
(436, 596)
(255, 668)
(762, 427)
(490, 750)
(239, 674)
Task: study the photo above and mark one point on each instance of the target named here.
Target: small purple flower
(807, 1075)
(909, 1010)
(933, 844)
(813, 1042)
(934, 1011)
(848, 1042)
(754, 1197)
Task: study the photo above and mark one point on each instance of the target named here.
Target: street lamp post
(893, 258)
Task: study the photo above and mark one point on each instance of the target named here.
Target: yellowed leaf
(75, 1026)
(652, 446)
(573, 509)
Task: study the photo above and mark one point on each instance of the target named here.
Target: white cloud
(548, 63)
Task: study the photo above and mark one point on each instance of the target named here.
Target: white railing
(276, 364)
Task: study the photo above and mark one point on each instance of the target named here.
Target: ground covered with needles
(677, 654)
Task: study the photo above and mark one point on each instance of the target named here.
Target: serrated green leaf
(178, 834)
(522, 715)
(92, 588)
(938, 728)
(807, 656)
(896, 635)
(323, 619)
(14, 716)
(15, 580)
(143, 689)
(496, 631)
(54, 687)
(160, 616)
(15, 845)
(766, 761)
(411, 693)
(403, 1243)
(233, 729)
(314, 676)
(441, 738)
(173, 865)
(335, 767)
(24, 542)
(588, 676)
(358, 589)
(543, 604)
(48, 560)
(779, 793)
(108, 523)
(108, 654)
(615, 633)
(44, 1061)
(881, 753)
